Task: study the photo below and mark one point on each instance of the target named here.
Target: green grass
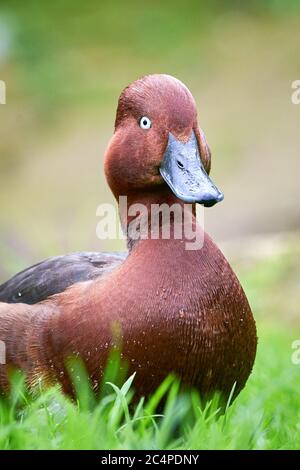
(266, 415)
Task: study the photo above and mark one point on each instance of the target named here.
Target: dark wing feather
(55, 275)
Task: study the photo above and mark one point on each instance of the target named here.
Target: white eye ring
(145, 123)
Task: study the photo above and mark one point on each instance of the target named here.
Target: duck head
(157, 143)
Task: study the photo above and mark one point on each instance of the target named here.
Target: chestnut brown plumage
(179, 311)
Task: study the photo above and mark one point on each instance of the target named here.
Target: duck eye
(145, 122)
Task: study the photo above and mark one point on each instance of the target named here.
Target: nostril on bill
(180, 164)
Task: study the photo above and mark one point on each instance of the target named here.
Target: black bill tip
(209, 200)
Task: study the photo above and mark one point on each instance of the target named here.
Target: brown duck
(178, 310)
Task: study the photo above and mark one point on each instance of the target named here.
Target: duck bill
(183, 171)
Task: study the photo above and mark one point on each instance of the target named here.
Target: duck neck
(156, 215)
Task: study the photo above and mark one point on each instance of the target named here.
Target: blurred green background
(65, 63)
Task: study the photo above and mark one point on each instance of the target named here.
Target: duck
(179, 309)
